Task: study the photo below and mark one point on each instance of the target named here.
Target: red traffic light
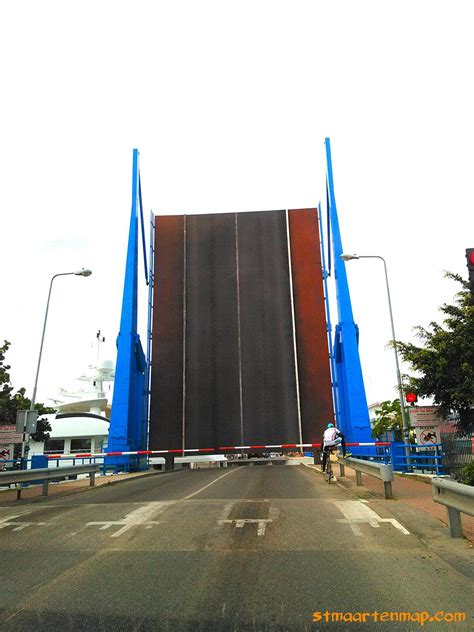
(411, 398)
(470, 256)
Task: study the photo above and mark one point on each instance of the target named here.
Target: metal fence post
(392, 454)
(45, 487)
(92, 477)
(358, 477)
(437, 460)
(342, 469)
(388, 490)
(454, 521)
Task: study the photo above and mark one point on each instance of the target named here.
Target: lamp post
(83, 272)
(406, 429)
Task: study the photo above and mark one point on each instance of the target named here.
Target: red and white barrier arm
(281, 446)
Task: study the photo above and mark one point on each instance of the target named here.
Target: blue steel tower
(128, 424)
(351, 403)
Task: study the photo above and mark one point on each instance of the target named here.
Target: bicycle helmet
(330, 425)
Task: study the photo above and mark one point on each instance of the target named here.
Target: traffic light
(470, 267)
(411, 398)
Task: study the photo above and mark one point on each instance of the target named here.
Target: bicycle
(328, 473)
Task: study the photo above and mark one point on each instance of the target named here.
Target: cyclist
(332, 437)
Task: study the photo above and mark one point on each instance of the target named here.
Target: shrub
(466, 474)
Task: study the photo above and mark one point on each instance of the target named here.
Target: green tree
(11, 402)
(387, 418)
(5, 387)
(444, 364)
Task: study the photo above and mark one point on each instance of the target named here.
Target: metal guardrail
(379, 470)
(457, 498)
(46, 475)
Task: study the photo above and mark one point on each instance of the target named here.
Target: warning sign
(424, 416)
(426, 422)
(9, 434)
(428, 436)
(6, 454)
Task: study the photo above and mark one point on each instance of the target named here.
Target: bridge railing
(421, 457)
(457, 498)
(381, 471)
(45, 475)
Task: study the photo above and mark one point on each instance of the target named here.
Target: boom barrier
(282, 446)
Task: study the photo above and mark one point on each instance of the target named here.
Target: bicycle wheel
(328, 472)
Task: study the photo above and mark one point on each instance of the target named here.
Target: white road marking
(356, 530)
(253, 500)
(226, 511)
(262, 525)
(18, 526)
(209, 484)
(9, 518)
(241, 522)
(138, 517)
(396, 524)
(355, 513)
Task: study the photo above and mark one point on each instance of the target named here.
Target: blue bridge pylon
(129, 418)
(350, 401)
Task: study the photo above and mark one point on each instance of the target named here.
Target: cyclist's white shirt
(331, 437)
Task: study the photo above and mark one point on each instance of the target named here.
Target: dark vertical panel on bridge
(166, 406)
(316, 402)
(212, 416)
(268, 367)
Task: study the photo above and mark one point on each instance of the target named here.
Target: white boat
(81, 423)
(89, 399)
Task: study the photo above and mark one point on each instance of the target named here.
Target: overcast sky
(229, 104)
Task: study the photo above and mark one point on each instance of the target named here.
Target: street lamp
(406, 430)
(82, 272)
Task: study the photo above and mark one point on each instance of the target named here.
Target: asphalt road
(250, 548)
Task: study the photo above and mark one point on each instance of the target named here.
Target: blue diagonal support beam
(126, 424)
(351, 398)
